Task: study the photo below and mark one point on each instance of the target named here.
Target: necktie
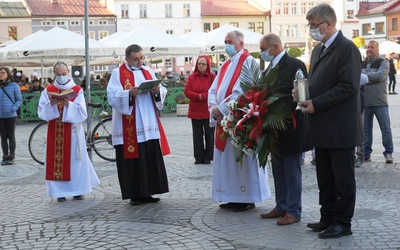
(269, 68)
(322, 50)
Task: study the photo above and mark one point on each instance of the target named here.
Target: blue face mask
(230, 49)
(62, 79)
(134, 68)
(265, 56)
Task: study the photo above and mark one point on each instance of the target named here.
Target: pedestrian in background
(196, 90)
(10, 100)
(376, 102)
(69, 171)
(392, 74)
(333, 120)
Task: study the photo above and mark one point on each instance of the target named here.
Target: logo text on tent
(154, 49)
(214, 48)
(39, 52)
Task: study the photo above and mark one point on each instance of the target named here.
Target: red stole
(58, 148)
(220, 139)
(129, 133)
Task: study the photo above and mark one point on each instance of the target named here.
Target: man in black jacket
(286, 167)
(334, 120)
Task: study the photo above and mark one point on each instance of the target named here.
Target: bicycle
(99, 141)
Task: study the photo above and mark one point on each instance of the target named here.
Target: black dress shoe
(319, 226)
(198, 162)
(151, 199)
(61, 199)
(79, 197)
(241, 207)
(335, 231)
(207, 162)
(229, 205)
(135, 202)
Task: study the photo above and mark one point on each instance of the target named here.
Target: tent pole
(89, 111)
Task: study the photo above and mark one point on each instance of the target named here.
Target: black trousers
(7, 132)
(392, 82)
(203, 140)
(337, 185)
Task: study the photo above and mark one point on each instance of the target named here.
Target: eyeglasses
(3, 72)
(314, 26)
(137, 59)
(202, 64)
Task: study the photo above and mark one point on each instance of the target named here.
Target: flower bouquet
(257, 116)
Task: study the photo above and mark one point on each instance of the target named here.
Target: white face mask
(316, 34)
(265, 56)
(62, 79)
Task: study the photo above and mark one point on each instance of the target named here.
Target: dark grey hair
(323, 11)
(59, 64)
(134, 48)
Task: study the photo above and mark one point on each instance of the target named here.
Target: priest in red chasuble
(69, 171)
(138, 135)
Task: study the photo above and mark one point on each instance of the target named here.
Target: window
(260, 28)
(188, 60)
(278, 7)
(215, 26)
(286, 30)
(394, 23)
(207, 27)
(100, 69)
(286, 8)
(379, 28)
(356, 33)
(186, 31)
(350, 14)
(103, 22)
(293, 29)
(124, 11)
(91, 22)
(234, 24)
(171, 32)
(75, 23)
(168, 10)
(186, 10)
(143, 10)
(46, 23)
(252, 26)
(366, 28)
(91, 35)
(278, 30)
(12, 33)
(102, 34)
(60, 23)
(293, 8)
(77, 32)
(303, 8)
(168, 62)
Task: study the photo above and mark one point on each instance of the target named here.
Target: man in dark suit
(334, 120)
(286, 167)
(392, 74)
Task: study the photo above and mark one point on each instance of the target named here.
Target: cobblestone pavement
(186, 218)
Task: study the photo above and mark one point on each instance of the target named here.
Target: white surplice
(232, 182)
(146, 117)
(83, 176)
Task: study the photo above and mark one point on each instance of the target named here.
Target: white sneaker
(389, 158)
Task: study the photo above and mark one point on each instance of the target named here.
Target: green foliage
(156, 61)
(295, 52)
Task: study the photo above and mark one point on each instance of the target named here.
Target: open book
(148, 85)
(66, 94)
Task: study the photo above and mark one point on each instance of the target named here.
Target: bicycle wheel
(37, 142)
(101, 140)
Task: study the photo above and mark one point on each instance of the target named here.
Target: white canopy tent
(388, 47)
(153, 42)
(214, 42)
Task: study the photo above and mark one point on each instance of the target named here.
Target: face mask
(265, 56)
(230, 49)
(316, 34)
(62, 79)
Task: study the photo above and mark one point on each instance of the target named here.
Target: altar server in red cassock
(69, 171)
